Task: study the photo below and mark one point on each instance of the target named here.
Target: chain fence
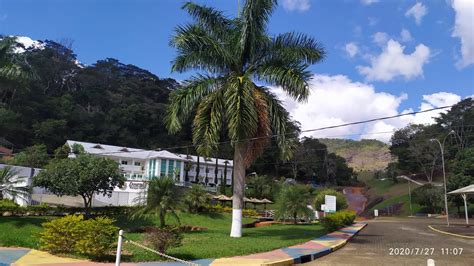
(119, 247)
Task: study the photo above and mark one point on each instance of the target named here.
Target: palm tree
(10, 181)
(240, 60)
(162, 199)
(292, 201)
(196, 198)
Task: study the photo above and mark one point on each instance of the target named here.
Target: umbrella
(265, 201)
(464, 192)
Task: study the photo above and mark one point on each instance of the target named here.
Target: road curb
(297, 254)
(448, 233)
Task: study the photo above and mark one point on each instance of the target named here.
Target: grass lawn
(211, 243)
(215, 242)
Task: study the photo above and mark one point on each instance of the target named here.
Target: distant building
(139, 166)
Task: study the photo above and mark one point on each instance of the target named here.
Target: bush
(341, 201)
(60, 235)
(73, 234)
(97, 236)
(196, 198)
(336, 220)
(429, 196)
(162, 239)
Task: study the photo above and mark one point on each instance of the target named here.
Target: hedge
(8, 208)
(219, 208)
(339, 219)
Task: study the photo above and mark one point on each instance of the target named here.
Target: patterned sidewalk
(300, 253)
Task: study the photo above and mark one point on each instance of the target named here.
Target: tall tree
(237, 54)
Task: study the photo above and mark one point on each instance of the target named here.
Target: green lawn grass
(211, 243)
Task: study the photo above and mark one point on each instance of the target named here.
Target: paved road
(372, 245)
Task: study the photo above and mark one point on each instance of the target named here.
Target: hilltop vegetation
(362, 155)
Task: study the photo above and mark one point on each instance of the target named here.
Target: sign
(329, 203)
(322, 207)
(137, 185)
(376, 213)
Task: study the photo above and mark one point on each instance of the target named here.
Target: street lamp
(441, 146)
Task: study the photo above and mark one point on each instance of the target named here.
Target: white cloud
(418, 11)
(405, 35)
(380, 38)
(337, 100)
(368, 2)
(463, 29)
(351, 49)
(296, 5)
(393, 62)
(430, 101)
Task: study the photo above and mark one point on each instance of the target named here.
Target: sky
(384, 57)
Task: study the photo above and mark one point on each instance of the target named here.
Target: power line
(303, 131)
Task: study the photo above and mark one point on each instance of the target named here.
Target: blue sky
(375, 68)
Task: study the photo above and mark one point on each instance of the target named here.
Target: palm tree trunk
(239, 187)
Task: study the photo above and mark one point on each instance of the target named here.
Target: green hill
(366, 154)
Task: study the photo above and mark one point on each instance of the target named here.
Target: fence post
(119, 248)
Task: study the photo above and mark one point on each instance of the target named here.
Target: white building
(139, 166)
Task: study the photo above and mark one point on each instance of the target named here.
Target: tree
(259, 187)
(341, 201)
(9, 181)
(162, 198)
(82, 176)
(293, 201)
(429, 196)
(237, 54)
(463, 170)
(196, 198)
(35, 156)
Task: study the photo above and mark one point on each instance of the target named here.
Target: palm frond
(292, 77)
(198, 49)
(254, 19)
(240, 111)
(257, 144)
(210, 18)
(208, 123)
(296, 47)
(184, 100)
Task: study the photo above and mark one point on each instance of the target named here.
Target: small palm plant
(292, 202)
(239, 61)
(196, 198)
(10, 183)
(162, 198)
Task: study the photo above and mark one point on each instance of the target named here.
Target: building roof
(464, 190)
(134, 153)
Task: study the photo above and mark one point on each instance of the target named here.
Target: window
(137, 163)
(171, 167)
(163, 168)
(123, 162)
(178, 168)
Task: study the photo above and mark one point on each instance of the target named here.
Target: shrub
(162, 239)
(73, 234)
(292, 202)
(341, 202)
(219, 208)
(97, 236)
(196, 198)
(429, 196)
(60, 235)
(249, 213)
(337, 220)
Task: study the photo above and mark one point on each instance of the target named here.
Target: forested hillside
(108, 102)
(365, 154)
